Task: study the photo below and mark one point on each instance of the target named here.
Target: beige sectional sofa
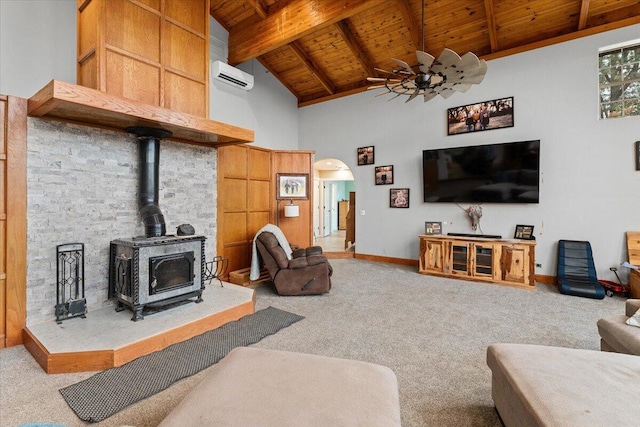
(534, 385)
(260, 387)
(616, 335)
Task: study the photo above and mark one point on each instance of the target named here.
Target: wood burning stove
(156, 271)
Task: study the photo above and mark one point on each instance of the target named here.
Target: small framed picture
(292, 186)
(524, 232)
(431, 227)
(384, 175)
(365, 156)
(638, 155)
(399, 197)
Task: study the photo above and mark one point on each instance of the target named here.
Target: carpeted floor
(432, 332)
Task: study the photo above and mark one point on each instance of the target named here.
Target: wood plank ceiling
(324, 49)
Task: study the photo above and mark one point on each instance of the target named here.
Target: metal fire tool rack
(70, 300)
(215, 269)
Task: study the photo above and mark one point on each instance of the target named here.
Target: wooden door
(13, 219)
(432, 255)
(514, 264)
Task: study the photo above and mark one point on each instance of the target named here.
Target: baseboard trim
(546, 280)
(390, 260)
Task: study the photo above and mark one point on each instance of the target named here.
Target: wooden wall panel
(234, 197)
(245, 200)
(133, 29)
(260, 162)
(13, 220)
(184, 95)
(260, 199)
(188, 13)
(235, 229)
(179, 51)
(298, 230)
(132, 79)
(232, 162)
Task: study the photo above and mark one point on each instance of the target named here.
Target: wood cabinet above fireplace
(154, 52)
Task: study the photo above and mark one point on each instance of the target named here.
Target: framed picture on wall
(638, 155)
(384, 175)
(433, 227)
(399, 197)
(292, 186)
(486, 115)
(365, 156)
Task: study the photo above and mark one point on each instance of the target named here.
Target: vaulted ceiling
(324, 49)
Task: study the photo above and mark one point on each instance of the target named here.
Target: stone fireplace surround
(82, 187)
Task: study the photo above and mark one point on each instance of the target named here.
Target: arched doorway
(333, 186)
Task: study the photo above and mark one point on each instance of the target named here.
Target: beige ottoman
(534, 385)
(258, 387)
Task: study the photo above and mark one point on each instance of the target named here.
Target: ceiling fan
(443, 76)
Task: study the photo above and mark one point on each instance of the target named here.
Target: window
(620, 81)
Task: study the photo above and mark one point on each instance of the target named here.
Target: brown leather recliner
(308, 272)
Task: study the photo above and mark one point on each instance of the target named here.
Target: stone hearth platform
(106, 338)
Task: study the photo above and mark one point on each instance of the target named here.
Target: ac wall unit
(231, 75)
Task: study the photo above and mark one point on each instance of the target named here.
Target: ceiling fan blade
(446, 59)
(376, 87)
(429, 95)
(446, 92)
(425, 60)
(463, 87)
(383, 71)
(404, 65)
(376, 79)
(469, 60)
(413, 95)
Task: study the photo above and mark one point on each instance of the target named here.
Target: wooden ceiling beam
(491, 25)
(584, 14)
(356, 49)
(414, 28)
(311, 66)
(295, 20)
(258, 7)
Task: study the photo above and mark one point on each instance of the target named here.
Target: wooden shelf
(78, 104)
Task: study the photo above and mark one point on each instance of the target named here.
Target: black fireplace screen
(167, 272)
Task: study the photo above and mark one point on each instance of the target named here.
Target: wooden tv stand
(505, 262)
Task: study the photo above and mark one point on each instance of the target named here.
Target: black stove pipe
(149, 178)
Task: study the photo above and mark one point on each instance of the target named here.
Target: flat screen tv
(494, 173)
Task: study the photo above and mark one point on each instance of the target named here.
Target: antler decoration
(475, 213)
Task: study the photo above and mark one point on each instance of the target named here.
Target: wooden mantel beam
(295, 20)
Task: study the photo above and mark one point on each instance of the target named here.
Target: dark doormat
(110, 391)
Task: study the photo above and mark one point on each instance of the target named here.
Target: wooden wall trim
(16, 235)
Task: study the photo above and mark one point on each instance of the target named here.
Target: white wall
(37, 44)
(269, 108)
(589, 187)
